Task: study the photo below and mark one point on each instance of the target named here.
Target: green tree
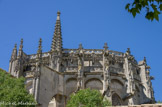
(88, 98)
(13, 92)
(153, 8)
(159, 102)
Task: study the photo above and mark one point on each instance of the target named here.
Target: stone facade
(54, 75)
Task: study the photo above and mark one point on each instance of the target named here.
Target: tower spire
(57, 36)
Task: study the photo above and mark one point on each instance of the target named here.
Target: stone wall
(51, 84)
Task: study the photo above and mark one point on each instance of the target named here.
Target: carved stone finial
(40, 46)
(80, 46)
(105, 46)
(14, 52)
(106, 52)
(20, 49)
(128, 51)
(21, 44)
(58, 15)
(21, 40)
(144, 59)
(15, 47)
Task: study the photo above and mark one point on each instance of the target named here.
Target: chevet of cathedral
(52, 76)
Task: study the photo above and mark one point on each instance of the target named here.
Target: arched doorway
(116, 100)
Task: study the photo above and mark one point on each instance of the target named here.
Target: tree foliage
(13, 92)
(88, 98)
(153, 8)
(159, 102)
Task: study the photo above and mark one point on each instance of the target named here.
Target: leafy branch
(153, 8)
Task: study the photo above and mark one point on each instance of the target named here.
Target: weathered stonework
(54, 75)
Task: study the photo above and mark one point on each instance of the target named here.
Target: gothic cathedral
(52, 76)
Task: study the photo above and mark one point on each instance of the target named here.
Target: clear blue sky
(90, 22)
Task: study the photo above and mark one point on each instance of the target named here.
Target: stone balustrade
(86, 51)
(91, 51)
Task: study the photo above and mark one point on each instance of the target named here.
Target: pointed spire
(40, 46)
(105, 46)
(57, 37)
(20, 48)
(14, 52)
